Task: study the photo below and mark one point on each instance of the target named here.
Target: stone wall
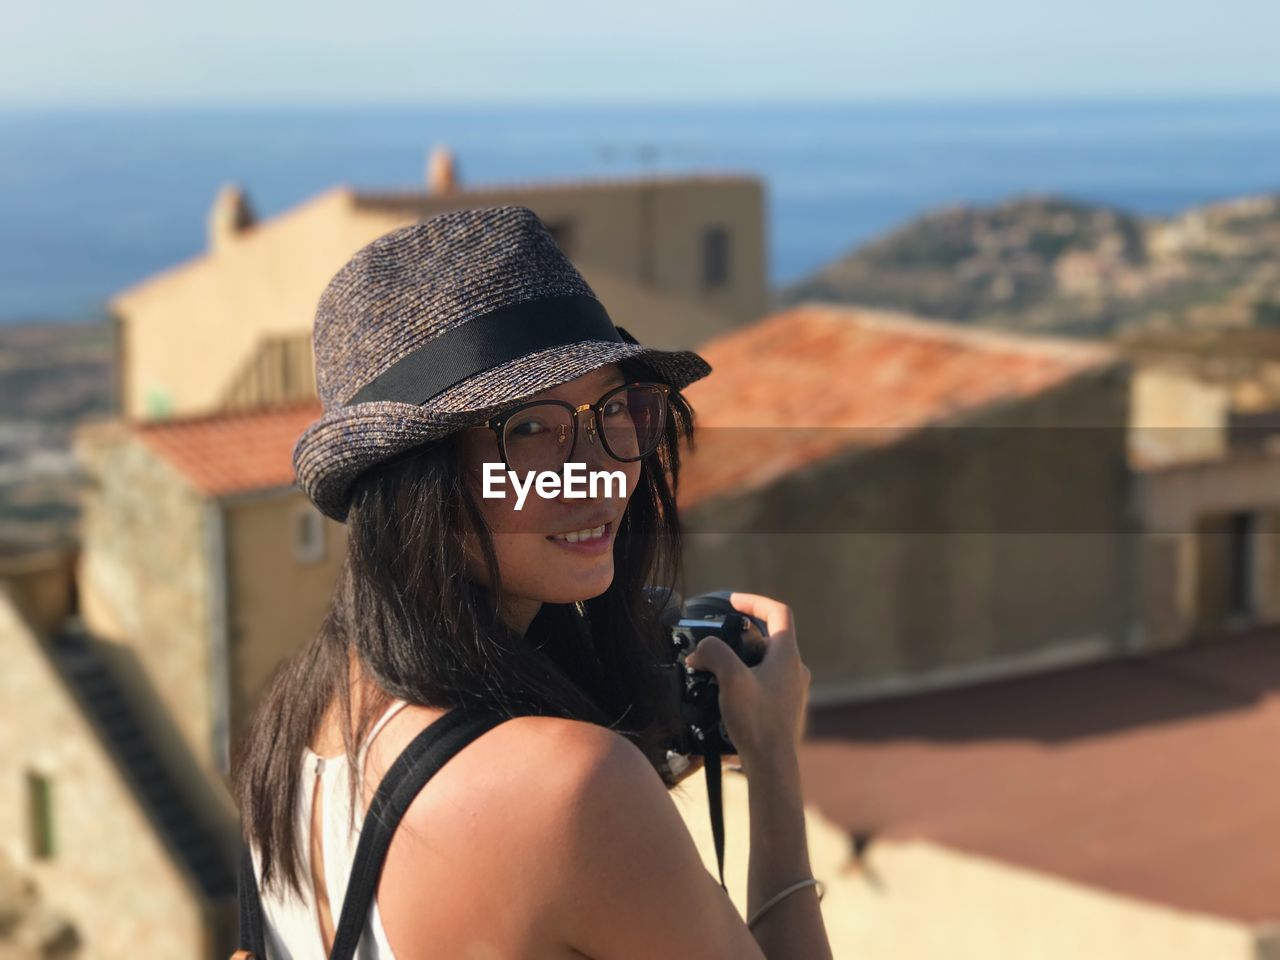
(145, 581)
(998, 544)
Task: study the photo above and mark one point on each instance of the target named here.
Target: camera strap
(715, 801)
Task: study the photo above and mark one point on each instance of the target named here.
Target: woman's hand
(763, 707)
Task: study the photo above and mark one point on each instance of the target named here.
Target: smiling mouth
(588, 535)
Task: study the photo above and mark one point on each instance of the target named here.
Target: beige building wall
(995, 547)
(110, 873)
(911, 899)
(277, 595)
(185, 333)
(190, 337)
(1177, 417)
(648, 232)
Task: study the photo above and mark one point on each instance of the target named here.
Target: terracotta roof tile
(231, 453)
(1151, 777)
(797, 374)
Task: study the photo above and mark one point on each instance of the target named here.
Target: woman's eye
(616, 408)
(527, 428)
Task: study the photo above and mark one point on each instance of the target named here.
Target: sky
(87, 52)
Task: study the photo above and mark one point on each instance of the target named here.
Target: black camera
(695, 691)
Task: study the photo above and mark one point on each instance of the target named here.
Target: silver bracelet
(822, 889)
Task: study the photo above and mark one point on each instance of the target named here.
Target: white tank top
(292, 926)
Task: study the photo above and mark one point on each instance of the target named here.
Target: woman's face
(537, 566)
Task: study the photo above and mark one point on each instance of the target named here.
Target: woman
(464, 340)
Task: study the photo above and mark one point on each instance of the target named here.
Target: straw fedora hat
(439, 325)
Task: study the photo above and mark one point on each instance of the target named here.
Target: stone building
(1206, 455)
(193, 530)
(938, 504)
(1211, 546)
(675, 258)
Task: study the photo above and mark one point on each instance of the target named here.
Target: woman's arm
(637, 886)
(793, 926)
(633, 884)
(764, 709)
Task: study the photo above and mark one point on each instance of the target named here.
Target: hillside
(52, 376)
(1048, 264)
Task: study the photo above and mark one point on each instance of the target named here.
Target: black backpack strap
(424, 755)
(419, 761)
(252, 935)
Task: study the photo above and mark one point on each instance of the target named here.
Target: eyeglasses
(543, 434)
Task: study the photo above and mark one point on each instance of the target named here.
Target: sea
(95, 199)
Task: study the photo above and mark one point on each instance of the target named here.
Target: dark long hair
(423, 631)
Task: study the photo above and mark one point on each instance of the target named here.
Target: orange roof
(1148, 776)
(791, 389)
(222, 454)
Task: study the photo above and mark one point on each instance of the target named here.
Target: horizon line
(973, 98)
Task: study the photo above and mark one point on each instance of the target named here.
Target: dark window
(1241, 559)
(1226, 563)
(308, 534)
(715, 257)
(40, 815)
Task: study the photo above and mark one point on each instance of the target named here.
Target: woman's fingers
(777, 616)
(715, 655)
(781, 642)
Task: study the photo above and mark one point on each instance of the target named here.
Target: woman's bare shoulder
(543, 762)
(523, 800)
(578, 807)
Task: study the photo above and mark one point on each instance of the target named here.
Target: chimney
(442, 171)
(229, 216)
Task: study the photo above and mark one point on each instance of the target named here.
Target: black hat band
(489, 340)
